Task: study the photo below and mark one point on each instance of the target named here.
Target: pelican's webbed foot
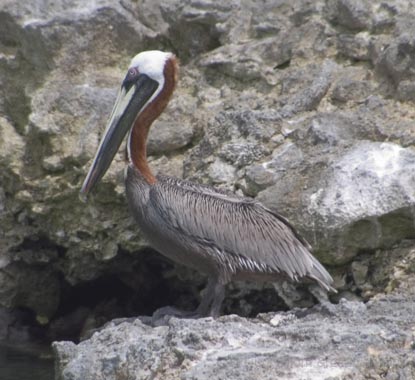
(210, 305)
(161, 316)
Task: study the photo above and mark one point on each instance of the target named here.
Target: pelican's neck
(137, 151)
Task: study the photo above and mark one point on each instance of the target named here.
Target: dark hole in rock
(283, 65)
(148, 283)
(91, 304)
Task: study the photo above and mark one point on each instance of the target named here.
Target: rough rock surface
(350, 340)
(306, 105)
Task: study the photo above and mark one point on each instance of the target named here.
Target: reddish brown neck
(139, 132)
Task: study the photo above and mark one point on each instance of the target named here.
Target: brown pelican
(222, 235)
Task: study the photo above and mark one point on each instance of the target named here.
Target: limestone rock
(314, 344)
(196, 25)
(371, 190)
(285, 158)
(351, 14)
(397, 60)
(167, 136)
(250, 60)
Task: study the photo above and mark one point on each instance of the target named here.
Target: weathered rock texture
(351, 340)
(306, 105)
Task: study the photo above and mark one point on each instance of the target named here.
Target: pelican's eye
(131, 77)
(132, 73)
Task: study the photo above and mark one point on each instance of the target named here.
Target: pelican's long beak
(131, 99)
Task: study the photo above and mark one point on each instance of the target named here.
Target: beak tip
(83, 197)
(88, 184)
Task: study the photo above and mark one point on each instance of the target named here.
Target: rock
(167, 137)
(31, 287)
(172, 166)
(336, 196)
(284, 158)
(228, 131)
(351, 14)
(13, 327)
(351, 87)
(52, 164)
(69, 325)
(359, 272)
(195, 25)
(355, 194)
(309, 98)
(397, 60)
(385, 15)
(241, 154)
(331, 129)
(355, 46)
(220, 172)
(250, 60)
(11, 148)
(406, 90)
(290, 345)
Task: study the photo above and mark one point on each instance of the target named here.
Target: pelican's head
(143, 86)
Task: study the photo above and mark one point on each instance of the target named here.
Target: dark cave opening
(136, 285)
(89, 305)
(141, 290)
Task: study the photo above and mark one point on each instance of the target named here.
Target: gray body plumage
(219, 234)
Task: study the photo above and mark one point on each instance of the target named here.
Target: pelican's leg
(212, 298)
(218, 297)
(210, 304)
(207, 297)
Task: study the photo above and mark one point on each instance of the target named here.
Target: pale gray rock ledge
(350, 340)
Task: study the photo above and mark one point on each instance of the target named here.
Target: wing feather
(247, 235)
